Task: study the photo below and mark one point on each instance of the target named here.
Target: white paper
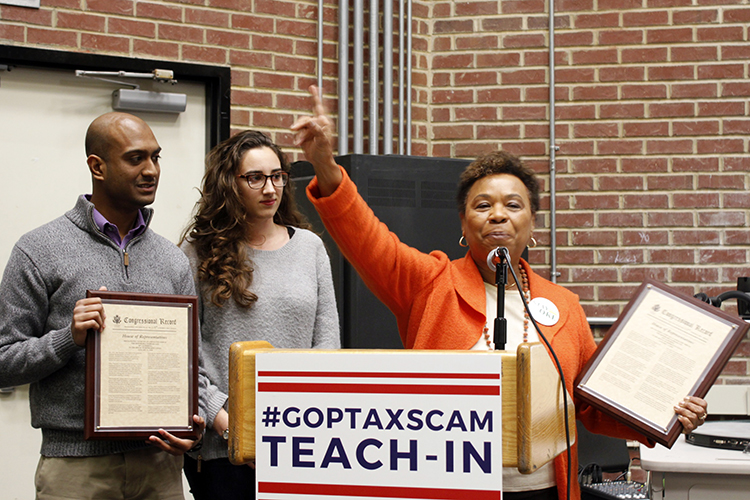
(144, 353)
(661, 352)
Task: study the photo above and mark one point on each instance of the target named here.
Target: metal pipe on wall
(404, 76)
(320, 45)
(373, 81)
(400, 77)
(343, 115)
(408, 75)
(552, 147)
(388, 77)
(358, 94)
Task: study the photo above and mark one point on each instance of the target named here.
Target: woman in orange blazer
(444, 304)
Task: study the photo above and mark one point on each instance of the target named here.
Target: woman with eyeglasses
(261, 275)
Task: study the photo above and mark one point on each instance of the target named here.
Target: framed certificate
(142, 368)
(664, 346)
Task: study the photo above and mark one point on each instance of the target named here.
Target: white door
(45, 114)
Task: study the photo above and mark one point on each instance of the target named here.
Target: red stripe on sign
(487, 376)
(474, 390)
(352, 490)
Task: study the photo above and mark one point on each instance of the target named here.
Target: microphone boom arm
(501, 279)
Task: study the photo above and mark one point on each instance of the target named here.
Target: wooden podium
(533, 428)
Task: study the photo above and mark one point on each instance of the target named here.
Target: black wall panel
(415, 197)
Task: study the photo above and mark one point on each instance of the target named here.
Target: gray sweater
(50, 268)
(296, 308)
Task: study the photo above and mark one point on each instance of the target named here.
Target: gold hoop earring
(533, 243)
(464, 244)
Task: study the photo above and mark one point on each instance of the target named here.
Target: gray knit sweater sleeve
(326, 333)
(27, 352)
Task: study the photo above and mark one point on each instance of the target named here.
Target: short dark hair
(97, 145)
(498, 162)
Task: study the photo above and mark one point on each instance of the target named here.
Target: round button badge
(544, 311)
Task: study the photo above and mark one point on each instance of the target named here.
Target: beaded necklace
(525, 289)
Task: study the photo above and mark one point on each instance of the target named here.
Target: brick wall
(652, 113)
(652, 122)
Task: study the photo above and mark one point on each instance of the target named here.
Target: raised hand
(314, 134)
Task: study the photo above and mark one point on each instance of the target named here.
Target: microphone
(496, 257)
(500, 256)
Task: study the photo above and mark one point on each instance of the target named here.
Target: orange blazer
(440, 303)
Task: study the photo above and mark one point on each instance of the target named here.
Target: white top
(685, 457)
(513, 480)
(513, 315)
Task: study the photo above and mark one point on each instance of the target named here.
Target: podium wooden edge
(242, 399)
(519, 422)
(541, 416)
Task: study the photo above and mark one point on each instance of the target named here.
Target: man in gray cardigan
(103, 242)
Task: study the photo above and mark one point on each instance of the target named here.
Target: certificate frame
(653, 300)
(178, 423)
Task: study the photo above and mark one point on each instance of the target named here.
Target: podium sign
(367, 424)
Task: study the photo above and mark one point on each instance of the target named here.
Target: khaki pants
(137, 475)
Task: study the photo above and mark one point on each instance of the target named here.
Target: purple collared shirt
(113, 232)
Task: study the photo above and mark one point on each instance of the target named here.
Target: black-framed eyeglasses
(257, 180)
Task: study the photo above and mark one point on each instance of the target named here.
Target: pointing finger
(301, 123)
(318, 108)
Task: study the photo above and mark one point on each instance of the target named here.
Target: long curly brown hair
(218, 230)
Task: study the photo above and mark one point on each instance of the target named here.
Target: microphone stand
(501, 324)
